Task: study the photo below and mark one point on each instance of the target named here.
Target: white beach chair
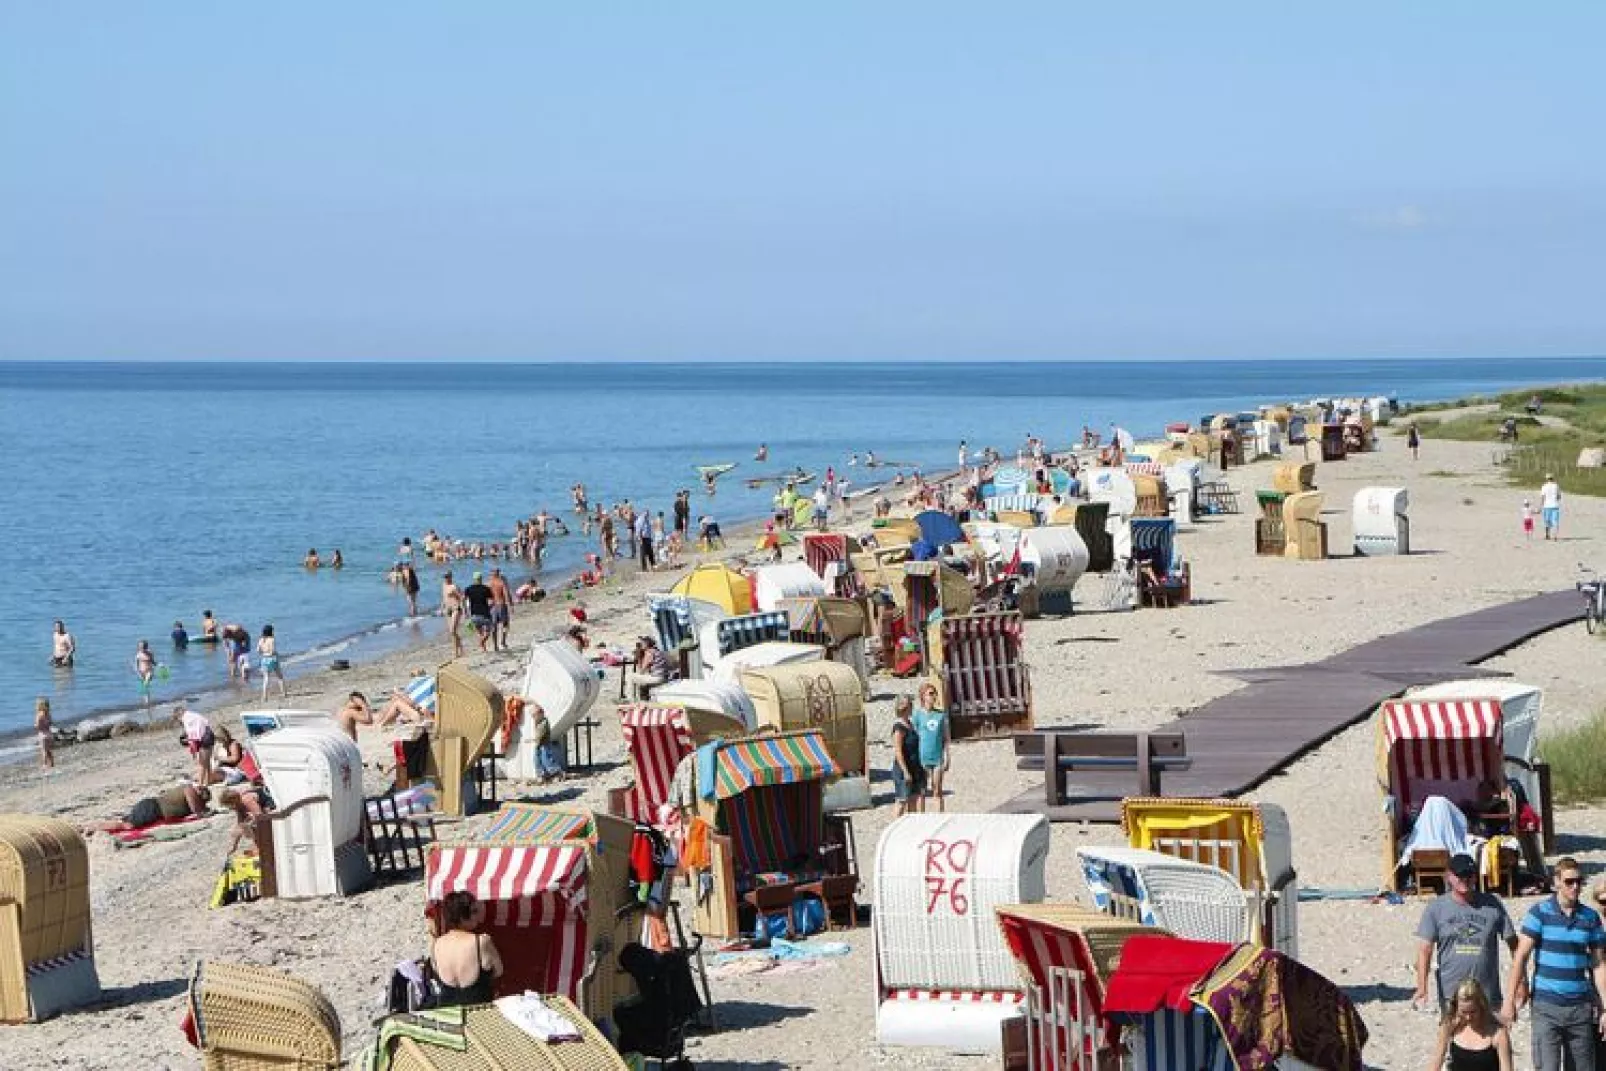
(1203, 903)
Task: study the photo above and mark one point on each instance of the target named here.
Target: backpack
(413, 987)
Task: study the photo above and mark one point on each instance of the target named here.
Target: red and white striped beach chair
(657, 738)
(1449, 748)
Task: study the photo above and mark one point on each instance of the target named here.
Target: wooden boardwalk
(1241, 739)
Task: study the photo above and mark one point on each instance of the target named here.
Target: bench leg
(1148, 775)
(1053, 776)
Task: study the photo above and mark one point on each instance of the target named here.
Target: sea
(134, 495)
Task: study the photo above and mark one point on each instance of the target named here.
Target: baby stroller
(655, 1023)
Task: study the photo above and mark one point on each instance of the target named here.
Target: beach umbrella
(938, 528)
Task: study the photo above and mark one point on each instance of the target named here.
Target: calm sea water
(137, 494)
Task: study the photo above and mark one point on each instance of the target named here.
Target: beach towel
(707, 769)
(1441, 826)
(1269, 1006)
(442, 1027)
(529, 1013)
(420, 691)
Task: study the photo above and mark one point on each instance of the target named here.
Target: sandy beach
(1126, 670)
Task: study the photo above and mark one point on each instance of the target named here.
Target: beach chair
(47, 949)
(1271, 531)
(944, 974)
(1250, 841)
(980, 665)
(838, 625)
(1188, 899)
(1306, 533)
(470, 712)
(1065, 955)
(250, 1018)
(311, 842)
(553, 881)
(480, 1038)
(713, 708)
(1053, 559)
(1379, 521)
(735, 633)
(1150, 495)
(1449, 748)
(766, 810)
(1163, 580)
(1210, 1006)
(828, 554)
(785, 580)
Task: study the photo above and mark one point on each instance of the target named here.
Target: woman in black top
(465, 962)
(1470, 1036)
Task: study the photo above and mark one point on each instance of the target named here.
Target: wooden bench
(1060, 753)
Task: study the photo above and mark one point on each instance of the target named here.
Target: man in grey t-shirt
(1466, 927)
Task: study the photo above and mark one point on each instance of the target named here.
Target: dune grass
(1577, 758)
(1574, 418)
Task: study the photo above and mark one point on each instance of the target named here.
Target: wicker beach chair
(1191, 900)
(257, 1019)
(1250, 841)
(492, 1043)
(47, 958)
(1293, 477)
(1307, 534)
(470, 711)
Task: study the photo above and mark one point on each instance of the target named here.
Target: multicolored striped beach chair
(763, 798)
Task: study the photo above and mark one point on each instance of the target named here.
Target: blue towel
(707, 769)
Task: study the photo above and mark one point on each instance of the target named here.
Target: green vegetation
(1577, 758)
(1571, 418)
(1445, 474)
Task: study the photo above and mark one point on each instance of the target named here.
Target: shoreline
(17, 744)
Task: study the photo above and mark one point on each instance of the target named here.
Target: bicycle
(1593, 589)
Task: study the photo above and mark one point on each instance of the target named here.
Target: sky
(594, 181)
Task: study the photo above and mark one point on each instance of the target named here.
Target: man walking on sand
(1550, 507)
(501, 610)
(478, 597)
(1467, 928)
(1565, 940)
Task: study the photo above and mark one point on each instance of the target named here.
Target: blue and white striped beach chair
(737, 633)
(1179, 1041)
(1188, 899)
(420, 691)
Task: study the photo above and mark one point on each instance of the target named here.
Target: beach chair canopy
(719, 584)
(469, 706)
(826, 696)
(656, 738)
(560, 679)
(679, 618)
(1010, 480)
(729, 668)
(748, 630)
(1203, 903)
(938, 528)
(1153, 541)
(1250, 841)
(832, 620)
(713, 708)
(784, 580)
(551, 880)
(1113, 487)
(771, 759)
(1441, 748)
(1057, 556)
(768, 795)
(299, 763)
(250, 1018)
(938, 878)
(528, 886)
(257, 722)
(1060, 946)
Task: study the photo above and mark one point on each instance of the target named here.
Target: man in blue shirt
(1565, 939)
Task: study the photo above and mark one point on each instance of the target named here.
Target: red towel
(1158, 972)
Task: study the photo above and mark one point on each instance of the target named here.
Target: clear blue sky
(877, 180)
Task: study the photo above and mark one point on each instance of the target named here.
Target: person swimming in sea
(762, 453)
(208, 627)
(311, 561)
(337, 562)
(181, 638)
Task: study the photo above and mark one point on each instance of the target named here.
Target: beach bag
(413, 987)
(808, 916)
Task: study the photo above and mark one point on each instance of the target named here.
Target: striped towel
(444, 1027)
(421, 692)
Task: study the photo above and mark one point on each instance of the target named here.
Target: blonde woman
(931, 726)
(44, 729)
(1470, 1037)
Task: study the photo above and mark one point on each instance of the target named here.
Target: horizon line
(648, 361)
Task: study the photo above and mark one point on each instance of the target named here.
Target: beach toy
(163, 673)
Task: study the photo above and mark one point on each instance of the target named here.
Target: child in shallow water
(44, 728)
